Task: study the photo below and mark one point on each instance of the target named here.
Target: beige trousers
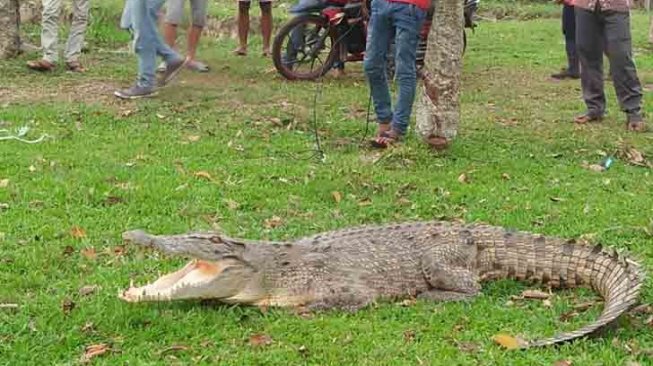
(50, 30)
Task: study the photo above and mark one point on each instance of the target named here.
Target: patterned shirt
(614, 5)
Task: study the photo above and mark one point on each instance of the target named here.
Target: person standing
(174, 13)
(404, 19)
(50, 36)
(148, 44)
(569, 31)
(243, 26)
(604, 25)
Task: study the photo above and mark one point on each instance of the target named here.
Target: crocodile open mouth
(184, 283)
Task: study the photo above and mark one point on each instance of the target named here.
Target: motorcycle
(326, 34)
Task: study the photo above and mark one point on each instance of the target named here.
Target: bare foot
(383, 128)
(240, 51)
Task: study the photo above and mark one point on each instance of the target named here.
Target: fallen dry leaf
(67, 305)
(68, 250)
(595, 167)
(337, 196)
(404, 201)
(87, 290)
(274, 221)
(365, 202)
(89, 253)
(634, 157)
(113, 200)
(94, 351)
(88, 327)
(508, 342)
(260, 340)
(584, 306)
(468, 347)
(562, 363)
(193, 138)
(126, 113)
(77, 232)
(32, 168)
(125, 186)
(408, 302)
(119, 250)
(4, 183)
(547, 303)
(556, 199)
(203, 174)
(233, 205)
(567, 316)
(303, 350)
(463, 178)
(8, 306)
(535, 294)
(409, 335)
(174, 348)
(505, 176)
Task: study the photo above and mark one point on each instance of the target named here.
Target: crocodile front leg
(342, 299)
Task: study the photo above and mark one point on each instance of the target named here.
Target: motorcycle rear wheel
(307, 54)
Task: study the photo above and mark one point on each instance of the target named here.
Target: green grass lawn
(109, 166)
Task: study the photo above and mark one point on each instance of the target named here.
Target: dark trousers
(597, 30)
(569, 30)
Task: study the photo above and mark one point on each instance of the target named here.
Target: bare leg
(266, 26)
(194, 33)
(243, 27)
(170, 34)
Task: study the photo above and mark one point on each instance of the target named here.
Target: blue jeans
(147, 42)
(404, 21)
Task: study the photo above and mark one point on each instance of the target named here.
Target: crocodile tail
(559, 264)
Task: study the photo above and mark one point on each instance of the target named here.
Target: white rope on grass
(19, 135)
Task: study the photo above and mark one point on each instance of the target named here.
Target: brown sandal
(587, 118)
(636, 126)
(75, 66)
(41, 65)
(240, 51)
(385, 140)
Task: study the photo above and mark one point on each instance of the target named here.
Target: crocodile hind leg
(447, 271)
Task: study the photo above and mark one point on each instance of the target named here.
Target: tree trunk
(438, 106)
(9, 23)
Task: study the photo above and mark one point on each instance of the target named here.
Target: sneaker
(565, 74)
(197, 66)
(135, 92)
(171, 71)
(161, 68)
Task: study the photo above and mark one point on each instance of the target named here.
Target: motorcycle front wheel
(304, 48)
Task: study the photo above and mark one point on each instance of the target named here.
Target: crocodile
(350, 268)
